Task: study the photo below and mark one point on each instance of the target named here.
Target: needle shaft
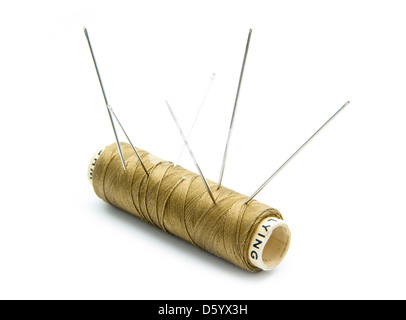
(129, 141)
(293, 155)
(105, 100)
(191, 152)
(223, 165)
(197, 115)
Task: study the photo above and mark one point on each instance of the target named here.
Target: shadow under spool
(252, 236)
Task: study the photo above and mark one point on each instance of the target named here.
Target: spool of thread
(252, 236)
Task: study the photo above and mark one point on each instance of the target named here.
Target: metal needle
(105, 100)
(135, 151)
(190, 152)
(234, 110)
(293, 155)
(197, 114)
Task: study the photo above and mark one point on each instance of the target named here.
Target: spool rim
(93, 163)
(270, 243)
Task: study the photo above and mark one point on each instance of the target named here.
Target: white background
(343, 196)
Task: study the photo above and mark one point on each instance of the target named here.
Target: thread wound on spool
(176, 201)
